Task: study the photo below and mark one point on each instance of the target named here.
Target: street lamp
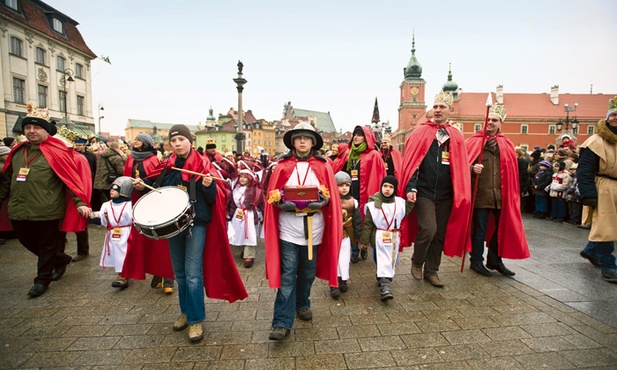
(100, 118)
(240, 136)
(67, 72)
(574, 121)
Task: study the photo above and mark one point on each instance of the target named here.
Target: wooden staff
(146, 185)
(197, 173)
(309, 226)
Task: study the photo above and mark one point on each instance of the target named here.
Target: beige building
(46, 62)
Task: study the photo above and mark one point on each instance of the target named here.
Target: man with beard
(392, 158)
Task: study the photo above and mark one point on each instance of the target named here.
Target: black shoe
(592, 259)
(364, 253)
(354, 258)
(342, 285)
(305, 314)
(584, 226)
(80, 257)
(501, 268)
(335, 293)
(479, 268)
(157, 282)
(278, 333)
(610, 276)
(37, 290)
(58, 273)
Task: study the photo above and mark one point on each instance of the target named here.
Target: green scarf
(379, 199)
(354, 155)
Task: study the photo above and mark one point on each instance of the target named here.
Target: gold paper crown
(210, 141)
(499, 111)
(386, 137)
(444, 97)
(33, 111)
(68, 134)
(612, 104)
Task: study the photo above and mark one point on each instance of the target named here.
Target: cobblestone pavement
(556, 313)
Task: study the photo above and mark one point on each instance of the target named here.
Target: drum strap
(159, 179)
(192, 190)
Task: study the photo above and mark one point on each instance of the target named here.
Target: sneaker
(278, 333)
(305, 314)
(157, 282)
(342, 285)
(610, 275)
(434, 280)
(196, 332)
(416, 271)
(335, 293)
(385, 292)
(168, 290)
(590, 258)
(248, 262)
(180, 323)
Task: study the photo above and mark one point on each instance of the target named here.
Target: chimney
(499, 94)
(555, 95)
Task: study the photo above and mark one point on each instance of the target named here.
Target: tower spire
(413, 71)
(375, 118)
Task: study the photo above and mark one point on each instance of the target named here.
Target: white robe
(387, 249)
(242, 221)
(114, 249)
(345, 255)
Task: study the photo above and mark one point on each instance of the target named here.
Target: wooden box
(301, 193)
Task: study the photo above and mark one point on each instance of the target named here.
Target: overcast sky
(172, 60)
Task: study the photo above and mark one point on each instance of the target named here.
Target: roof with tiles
(323, 119)
(534, 105)
(36, 15)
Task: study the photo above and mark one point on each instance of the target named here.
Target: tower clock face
(414, 90)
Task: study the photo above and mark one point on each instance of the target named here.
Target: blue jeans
(603, 251)
(187, 251)
(297, 276)
(541, 205)
(480, 219)
(558, 210)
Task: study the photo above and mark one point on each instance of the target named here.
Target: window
(551, 129)
(40, 56)
(524, 129)
(16, 46)
(79, 70)
(11, 4)
(590, 130)
(42, 90)
(60, 61)
(57, 25)
(80, 105)
(62, 100)
(223, 137)
(477, 127)
(19, 86)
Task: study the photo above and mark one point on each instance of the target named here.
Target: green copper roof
(450, 86)
(323, 119)
(413, 71)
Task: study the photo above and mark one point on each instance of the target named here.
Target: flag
(375, 113)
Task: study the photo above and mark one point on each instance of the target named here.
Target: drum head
(159, 207)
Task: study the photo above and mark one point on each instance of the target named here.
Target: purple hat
(545, 163)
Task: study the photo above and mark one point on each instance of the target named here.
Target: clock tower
(412, 105)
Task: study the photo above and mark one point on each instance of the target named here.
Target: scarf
(354, 154)
(379, 199)
(140, 156)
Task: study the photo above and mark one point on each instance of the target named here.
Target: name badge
(116, 233)
(354, 175)
(386, 164)
(22, 175)
(445, 157)
(239, 213)
(386, 237)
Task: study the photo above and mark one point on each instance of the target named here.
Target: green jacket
(368, 227)
(42, 196)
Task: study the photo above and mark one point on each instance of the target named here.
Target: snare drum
(163, 213)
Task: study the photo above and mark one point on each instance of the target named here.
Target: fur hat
(210, 144)
(181, 130)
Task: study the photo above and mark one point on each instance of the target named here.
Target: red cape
(397, 160)
(73, 222)
(372, 168)
(512, 242)
(221, 277)
(416, 147)
(61, 159)
(145, 255)
(328, 251)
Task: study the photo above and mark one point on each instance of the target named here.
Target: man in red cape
(44, 188)
(436, 177)
(365, 167)
(221, 277)
(392, 158)
(288, 264)
(497, 196)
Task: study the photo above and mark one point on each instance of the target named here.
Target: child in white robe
(117, 216)
(382, 218)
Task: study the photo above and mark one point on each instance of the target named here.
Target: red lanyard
(113, 214)
(388, 224)
(305, 175)
(26, 157)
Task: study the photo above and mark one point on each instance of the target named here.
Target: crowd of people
(318, 213)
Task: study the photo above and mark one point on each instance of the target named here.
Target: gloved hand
(317, 204)
(287, 206)
(591, 202)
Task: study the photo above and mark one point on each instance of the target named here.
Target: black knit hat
(8, 140)
(39, 122)
(392, 181)
(181, 130)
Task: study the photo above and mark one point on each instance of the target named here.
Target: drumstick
(147, 186)
(197, 173)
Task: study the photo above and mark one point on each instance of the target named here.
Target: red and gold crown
(33, 111)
